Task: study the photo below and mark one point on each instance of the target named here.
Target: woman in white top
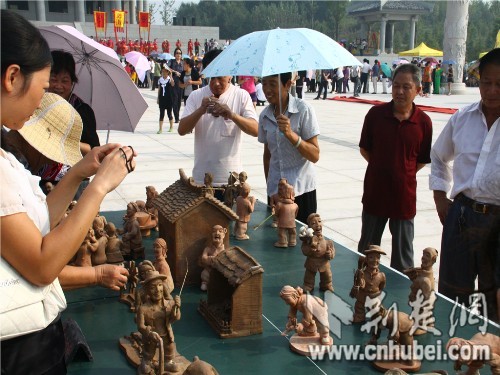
(35, 243)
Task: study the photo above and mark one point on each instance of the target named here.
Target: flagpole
(149, 32)
(95, 25)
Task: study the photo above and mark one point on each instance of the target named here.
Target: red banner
(144, 20)
(100, 21)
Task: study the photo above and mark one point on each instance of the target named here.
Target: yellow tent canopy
(422, 51)
(497, 45)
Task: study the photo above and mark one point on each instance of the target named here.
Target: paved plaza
(341, 167)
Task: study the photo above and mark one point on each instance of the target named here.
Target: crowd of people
(395, 141)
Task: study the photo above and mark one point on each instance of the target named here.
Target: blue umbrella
(165, 56)
(386, 70)
(186, 56)
(449, 62)
(269, 52)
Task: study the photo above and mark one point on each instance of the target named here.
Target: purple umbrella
(139, 62)
(102, 82)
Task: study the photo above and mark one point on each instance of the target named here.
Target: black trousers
(36, 353)
(176, 102)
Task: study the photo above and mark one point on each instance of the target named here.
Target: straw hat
(55, 130)
(374, 249)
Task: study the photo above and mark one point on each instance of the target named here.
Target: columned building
(388, 12)
(74, 11)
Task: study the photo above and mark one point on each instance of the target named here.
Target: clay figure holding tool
(368, 281)
(154, 321)
(313, 329)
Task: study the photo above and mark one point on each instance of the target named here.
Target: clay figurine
(208, 188)
(242, 178)
(276, 197)
(210, 252)
(160, 263)
(151, 194)
(244, 207)
(399, 333)
(313, 329)
(113, 253)
(368, 281)
(286, 211)
(132, 238)
(231, 189)
(319, 251)
(422, 287)
(127, 295)
(88, 246)
(199, 367)
(459, 346)
(154, 319)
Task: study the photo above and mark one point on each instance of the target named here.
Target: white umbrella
(102, 82)
(139, 62)
(269, 52)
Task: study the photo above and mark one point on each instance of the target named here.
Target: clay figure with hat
(422, 291)
(154, 321)
(314, 328)
(319, 252)
(368, 281)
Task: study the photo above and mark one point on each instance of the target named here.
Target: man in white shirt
(471, 139)
(218, 114)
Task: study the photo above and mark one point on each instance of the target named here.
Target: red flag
(100, 21)
(144, 20)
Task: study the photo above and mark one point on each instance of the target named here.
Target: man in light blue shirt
(290, 135)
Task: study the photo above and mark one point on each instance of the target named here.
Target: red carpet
(426, 108)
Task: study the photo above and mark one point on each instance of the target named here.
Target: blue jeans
(466, 254)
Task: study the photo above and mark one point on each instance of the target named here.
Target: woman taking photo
(36, 243)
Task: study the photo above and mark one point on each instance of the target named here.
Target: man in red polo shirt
(396, 142)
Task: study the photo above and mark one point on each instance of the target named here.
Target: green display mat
(104, 320)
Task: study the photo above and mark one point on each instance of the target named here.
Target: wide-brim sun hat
(55, 129)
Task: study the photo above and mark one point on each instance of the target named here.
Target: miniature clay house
(234, 297)
(186, 217)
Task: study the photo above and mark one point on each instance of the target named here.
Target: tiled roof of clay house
(183, 196)
(236, 265)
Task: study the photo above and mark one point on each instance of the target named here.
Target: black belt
(479, 207)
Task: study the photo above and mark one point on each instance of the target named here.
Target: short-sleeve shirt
(217, 142)
(286, 161)
(395, 147)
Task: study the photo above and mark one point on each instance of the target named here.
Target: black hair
(188, 61)
(284, 77)
(491, 58)
(209, 56)
(64, 62)
(177, 49)
(22, 44)
(408, 68)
